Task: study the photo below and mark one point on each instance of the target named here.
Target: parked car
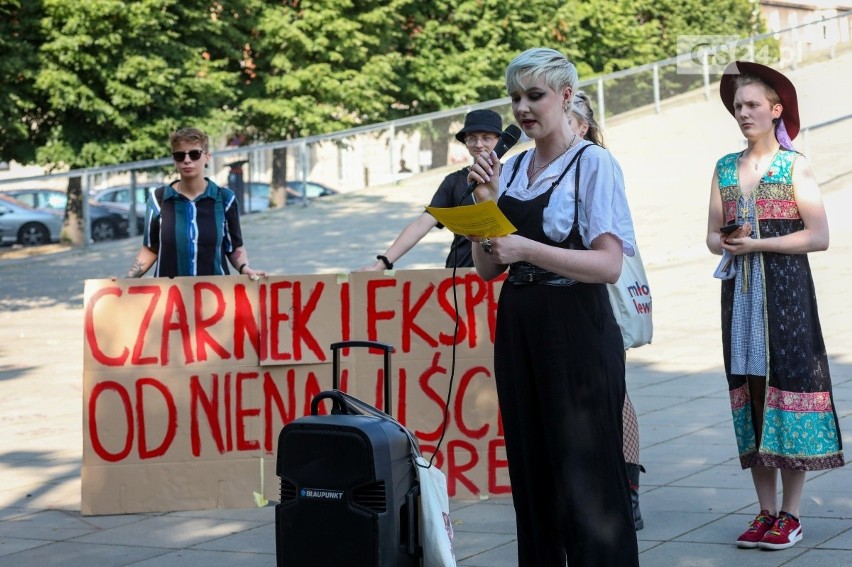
(117, 199)
(256, 196)
(310, 189)
(20, 224)
(257, 193)
(105, 223)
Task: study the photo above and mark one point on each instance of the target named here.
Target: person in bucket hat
(480, 133)
(484, 120)
(776, 364)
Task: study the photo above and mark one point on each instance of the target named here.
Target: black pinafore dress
(559, 369)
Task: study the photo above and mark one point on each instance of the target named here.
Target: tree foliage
(456, 51)
(322, 66)
(119, 76)
(20, 103)
(105, 81)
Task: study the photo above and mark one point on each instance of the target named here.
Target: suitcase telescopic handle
(384, 347)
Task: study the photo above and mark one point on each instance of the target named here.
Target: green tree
(21, 106)
(673, 18)
(455, 53)
(611, 35)
(324, 66)
(321, 66)
(603, 36)
(111, 79)
(118, 77)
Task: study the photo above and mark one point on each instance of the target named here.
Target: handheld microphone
(508, 138)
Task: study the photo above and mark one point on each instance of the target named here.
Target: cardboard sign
(188, 381)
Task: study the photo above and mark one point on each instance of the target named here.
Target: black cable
(453, 357)
(508, 138)
(455, 256)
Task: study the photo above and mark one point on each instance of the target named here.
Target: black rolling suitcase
(348, 485)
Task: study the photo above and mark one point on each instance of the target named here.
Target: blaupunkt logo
(321, 494)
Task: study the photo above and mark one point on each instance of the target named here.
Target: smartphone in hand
(730, 228)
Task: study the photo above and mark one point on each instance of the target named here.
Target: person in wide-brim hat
(765, 216)
(789, 120)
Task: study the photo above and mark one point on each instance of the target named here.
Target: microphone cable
(508, 138)
(446, 413)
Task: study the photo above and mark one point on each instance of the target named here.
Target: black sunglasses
(194, 155)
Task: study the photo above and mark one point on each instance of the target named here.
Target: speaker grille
(288, 490)
(371, 496)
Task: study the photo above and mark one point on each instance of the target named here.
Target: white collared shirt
(603, 201)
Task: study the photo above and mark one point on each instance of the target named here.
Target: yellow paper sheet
(481, 219)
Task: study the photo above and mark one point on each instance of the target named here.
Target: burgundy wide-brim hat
(480, 121)
(779, 83)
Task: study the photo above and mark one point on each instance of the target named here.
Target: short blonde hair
(541, 63)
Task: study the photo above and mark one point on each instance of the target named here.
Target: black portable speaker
(348, 485)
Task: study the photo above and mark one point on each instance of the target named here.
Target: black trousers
(559, 367)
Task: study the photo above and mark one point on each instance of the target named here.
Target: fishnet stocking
(631, 432)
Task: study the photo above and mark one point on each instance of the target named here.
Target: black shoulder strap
(158, 195)
(220, 199)
(575, 240)
(576, 177)
(517, 165)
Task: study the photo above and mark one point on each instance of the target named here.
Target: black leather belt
(523, 273)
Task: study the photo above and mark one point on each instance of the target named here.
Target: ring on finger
(486, 245)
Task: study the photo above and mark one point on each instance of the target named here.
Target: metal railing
(805, 131)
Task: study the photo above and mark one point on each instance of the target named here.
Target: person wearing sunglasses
(192, 226)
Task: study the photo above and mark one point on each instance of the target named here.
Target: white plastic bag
(436, 530)
(727, 268)
(631, 302)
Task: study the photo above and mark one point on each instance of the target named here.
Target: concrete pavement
(695, 498)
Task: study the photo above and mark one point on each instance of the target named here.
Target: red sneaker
(786, 532)
(756, 530)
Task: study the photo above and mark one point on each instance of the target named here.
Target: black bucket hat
(480, 121)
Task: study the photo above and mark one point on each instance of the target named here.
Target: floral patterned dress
(770, 327)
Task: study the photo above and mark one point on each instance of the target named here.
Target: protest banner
(188, 381)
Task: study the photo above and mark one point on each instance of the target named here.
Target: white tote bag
(631, 302)
(436, 530)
